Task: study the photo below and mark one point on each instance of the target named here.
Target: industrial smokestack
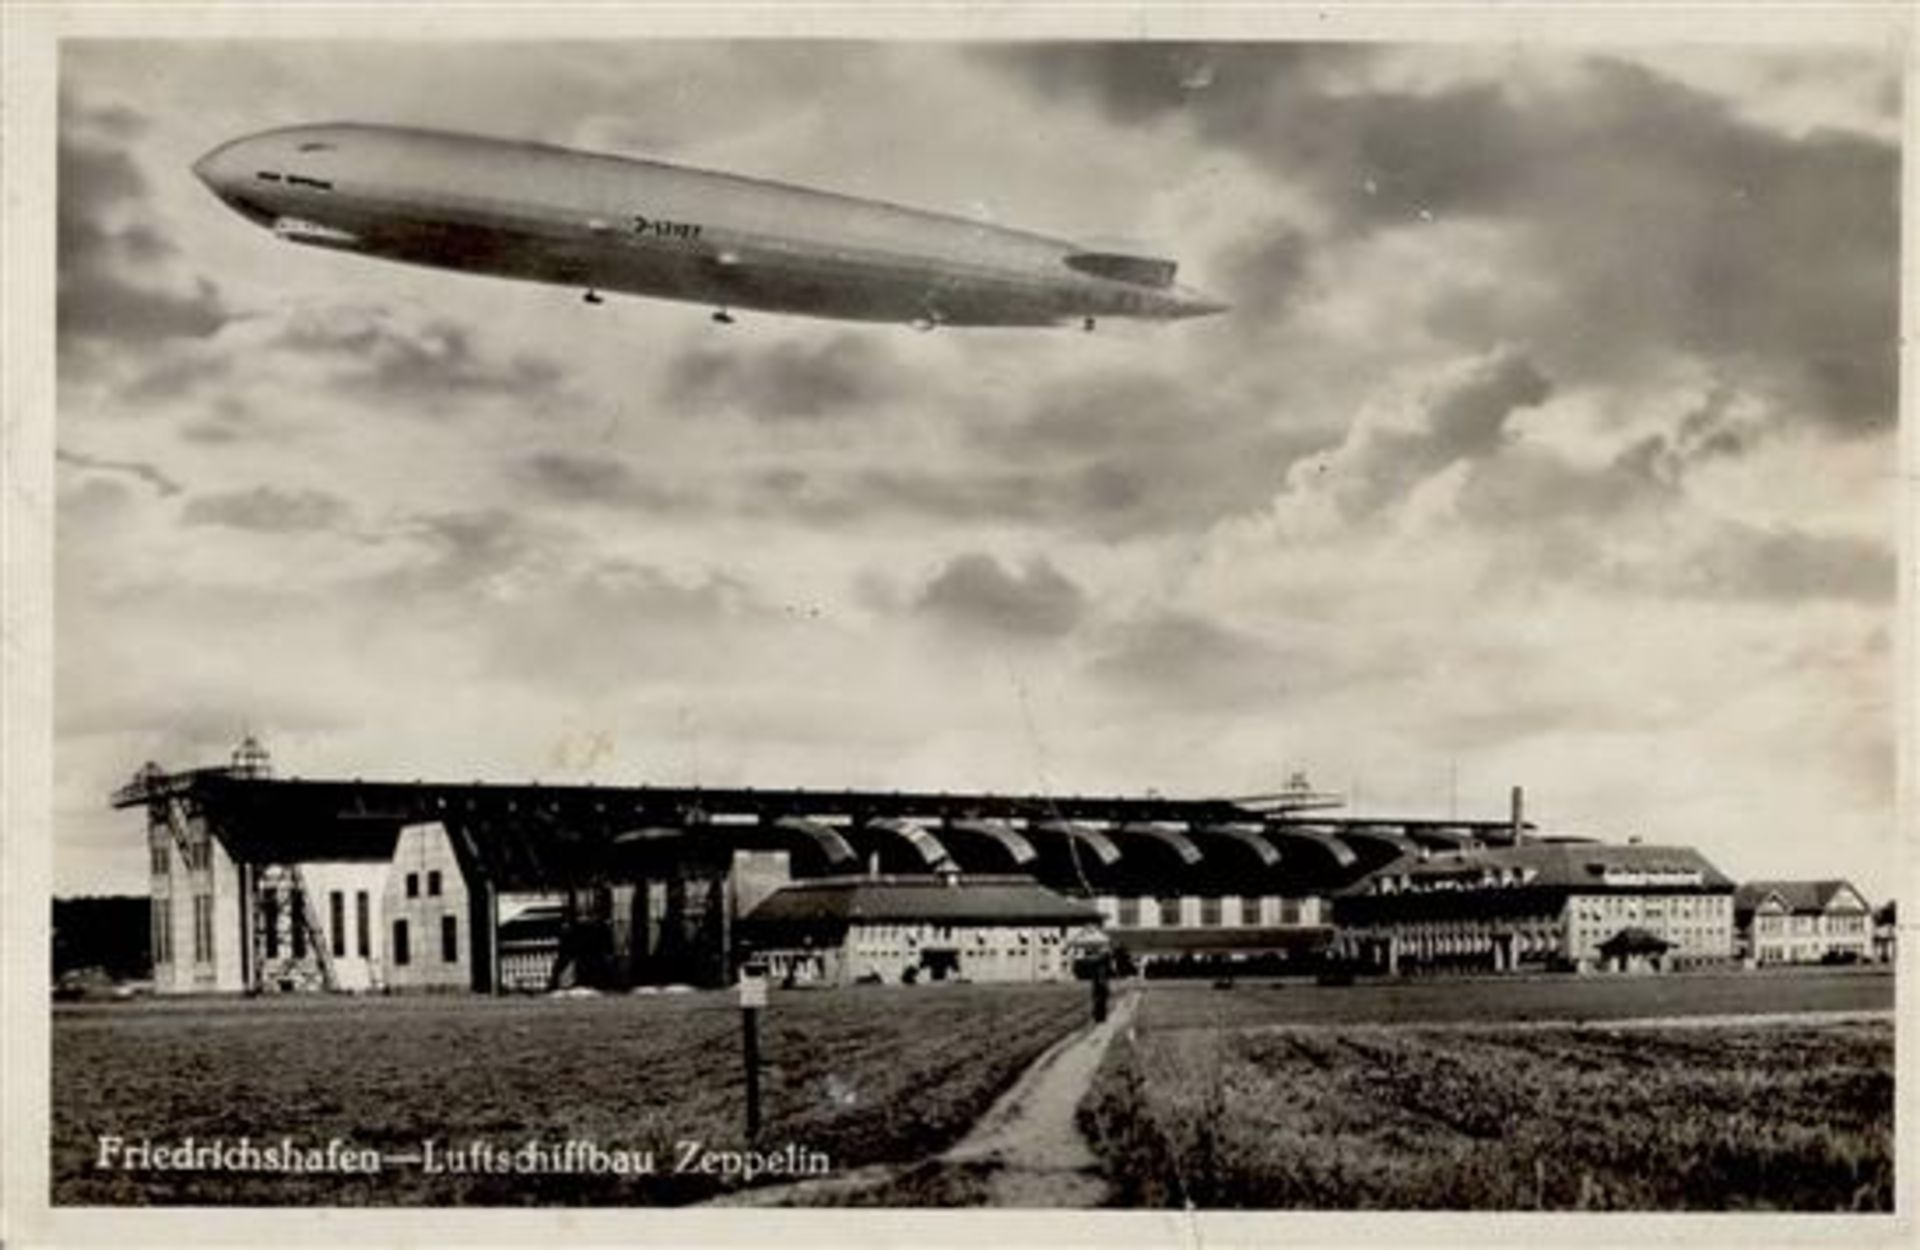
(1519, 812)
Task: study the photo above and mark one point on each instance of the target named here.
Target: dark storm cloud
(558, 587)
(608, 480)
(615, 622)
(1780, 564)
(101, 253)
(466, 550)
(150, 474)
(268, 510)
(1112, 456)
(201, 724)
(1464, 418)
(108, 121)
(1267, 274)
(1139, 81)
(1175, 657)
(1528, 488)
(1118, 455)
(93, 500)
(176, 376)
(1656, 218)
(974, 591)
(845, 374)
(428, 364)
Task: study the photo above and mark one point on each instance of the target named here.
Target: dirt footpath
(1026, 1151)
(1029, 1137)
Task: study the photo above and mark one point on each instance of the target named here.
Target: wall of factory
(346, 896)
(755, 875)
(1699, 926)
(895, 953)
(428, 922)
(1231, 911)
(197, 910)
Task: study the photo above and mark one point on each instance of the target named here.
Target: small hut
(1634, 949)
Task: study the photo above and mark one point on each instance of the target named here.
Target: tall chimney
(1519, 812)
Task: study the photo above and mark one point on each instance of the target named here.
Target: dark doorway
(939, 965)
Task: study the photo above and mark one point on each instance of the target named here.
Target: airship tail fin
(1140, 270)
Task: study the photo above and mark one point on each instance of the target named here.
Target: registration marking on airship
(597, 223)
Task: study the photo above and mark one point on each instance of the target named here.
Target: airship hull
(605, 223)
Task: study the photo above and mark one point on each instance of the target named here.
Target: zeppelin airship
(603, 223)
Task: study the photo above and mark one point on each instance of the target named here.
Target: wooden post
(750, 1052)
(753, 996)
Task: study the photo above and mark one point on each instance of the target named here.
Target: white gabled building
(839, 930)
(1548, 904)
(1803, 922)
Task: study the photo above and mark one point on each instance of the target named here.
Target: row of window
(1614, 906)
(362, 926)
(193, 856)
(294, 180)
(162, 921)
(1169, 911)
(202, 928)
(433, 884)
(449, 941)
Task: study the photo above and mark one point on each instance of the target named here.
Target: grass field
(1301, 1098)
(866, 1075)
(1172, 1004)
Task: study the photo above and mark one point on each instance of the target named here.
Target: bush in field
(1499, 1118)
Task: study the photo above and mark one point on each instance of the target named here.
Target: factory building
(268, 884)
(1221, 931)
(1803, 922)
(897, 929)
(1565, 904)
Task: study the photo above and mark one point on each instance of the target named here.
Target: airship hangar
(264, 883)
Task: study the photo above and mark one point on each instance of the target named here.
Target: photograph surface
(949, 623)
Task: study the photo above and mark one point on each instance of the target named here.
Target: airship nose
(216, 168)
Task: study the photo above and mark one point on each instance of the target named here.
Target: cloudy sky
(1551, 441)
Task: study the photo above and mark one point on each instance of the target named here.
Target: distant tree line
(111, 933)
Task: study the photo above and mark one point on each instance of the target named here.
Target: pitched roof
(1556, 865)
(1799, 896)
(956, 900)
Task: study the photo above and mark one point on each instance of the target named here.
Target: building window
(1129, 913)
(402, 953)
(1210, 912)
(449, 940)
(299, 925)
(1249, 911)
(270, 921)
(413, 885)
(1169, 912)
(433, 883)
(362, 925)
(202, 928)
(1289, 911)
(337, 913)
